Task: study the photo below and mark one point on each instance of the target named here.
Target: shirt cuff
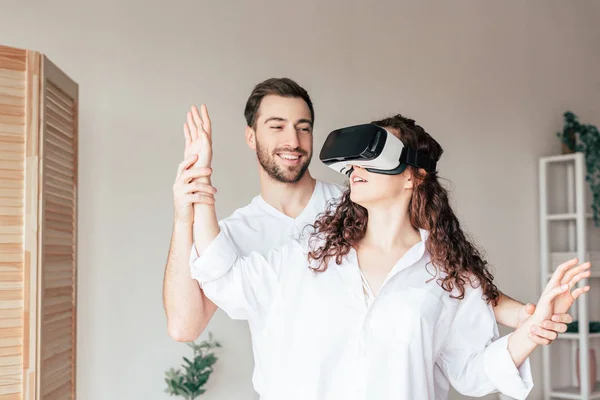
(502, 372)
(215, 261)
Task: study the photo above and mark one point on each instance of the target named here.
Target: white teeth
(289, 157)
(358, 179)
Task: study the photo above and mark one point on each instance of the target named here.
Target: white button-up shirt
(260, 227)
(324, 340)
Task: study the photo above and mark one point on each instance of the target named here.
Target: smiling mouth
(290, 157)
(357, 179)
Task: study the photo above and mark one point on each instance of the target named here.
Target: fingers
(192, 126)
(197, 187)
(197, 119)
(194, 192)
(539, 340)
(557, 327)
(562, 318)
(186, 133)
(560, 272)
(200, 198)
(206, 119)
(198, 122)
(555, 291)
(574, 271)
(530, 308)
(579, 291)
(185, 164)
(193, 173)
(579, 277)
(544, 333)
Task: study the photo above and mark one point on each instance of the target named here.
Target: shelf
(576, 216)
(574, 392)
(560, 158)
(565, 217)
(575, 336)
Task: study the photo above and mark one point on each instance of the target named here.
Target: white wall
(490, 80)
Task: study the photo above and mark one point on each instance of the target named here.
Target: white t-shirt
(261, 227)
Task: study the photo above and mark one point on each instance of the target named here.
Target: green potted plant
(187, 382)
(578, 137)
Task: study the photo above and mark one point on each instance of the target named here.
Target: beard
(284, 174)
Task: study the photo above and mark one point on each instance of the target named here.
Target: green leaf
(187, 381)
(585, 138)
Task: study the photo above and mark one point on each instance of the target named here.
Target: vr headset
(373, 148)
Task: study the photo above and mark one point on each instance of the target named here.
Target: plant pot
(593, 367)
(567, 147)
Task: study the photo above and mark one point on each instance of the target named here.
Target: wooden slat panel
(59, 234)
(10, 392)
(9, 184)
(11, 143)
(58, 265)
(12, 193)
(11, 146)
(12, 165)
(12, 99)
(13, 202)
(14, 342)
(64, 145)
(10, 268)
(10, 322)
(16, 175)
(66, 101)
(58, 308)
(54, 199)
(55, 168)
(9, 119)
(11, 74)
(58, 269)
(56, 108)
(13, 82)
(62, 392)
(6, 154)
(60, 225)
(58, 193)
(12, 130)
(10, 351)
(32, 249)
(57, 282)
(13, 94)
(62, 375)
(55, 128)
(59, 218)
(55, 152)
(12, 59)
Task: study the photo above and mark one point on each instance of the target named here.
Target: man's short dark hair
(283, 87)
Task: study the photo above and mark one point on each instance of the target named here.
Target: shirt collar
(349, 269)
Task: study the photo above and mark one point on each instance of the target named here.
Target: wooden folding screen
(38, 227)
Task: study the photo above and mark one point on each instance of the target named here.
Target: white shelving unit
(576, 218)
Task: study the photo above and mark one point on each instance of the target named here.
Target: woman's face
(369, 188)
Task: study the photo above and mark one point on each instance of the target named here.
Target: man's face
(283, 137)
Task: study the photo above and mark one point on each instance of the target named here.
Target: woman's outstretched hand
(559, 296)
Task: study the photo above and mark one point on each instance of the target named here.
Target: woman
(387, 299)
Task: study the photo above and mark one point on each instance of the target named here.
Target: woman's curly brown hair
(344, 223)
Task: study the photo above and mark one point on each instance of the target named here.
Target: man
(280, 117)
